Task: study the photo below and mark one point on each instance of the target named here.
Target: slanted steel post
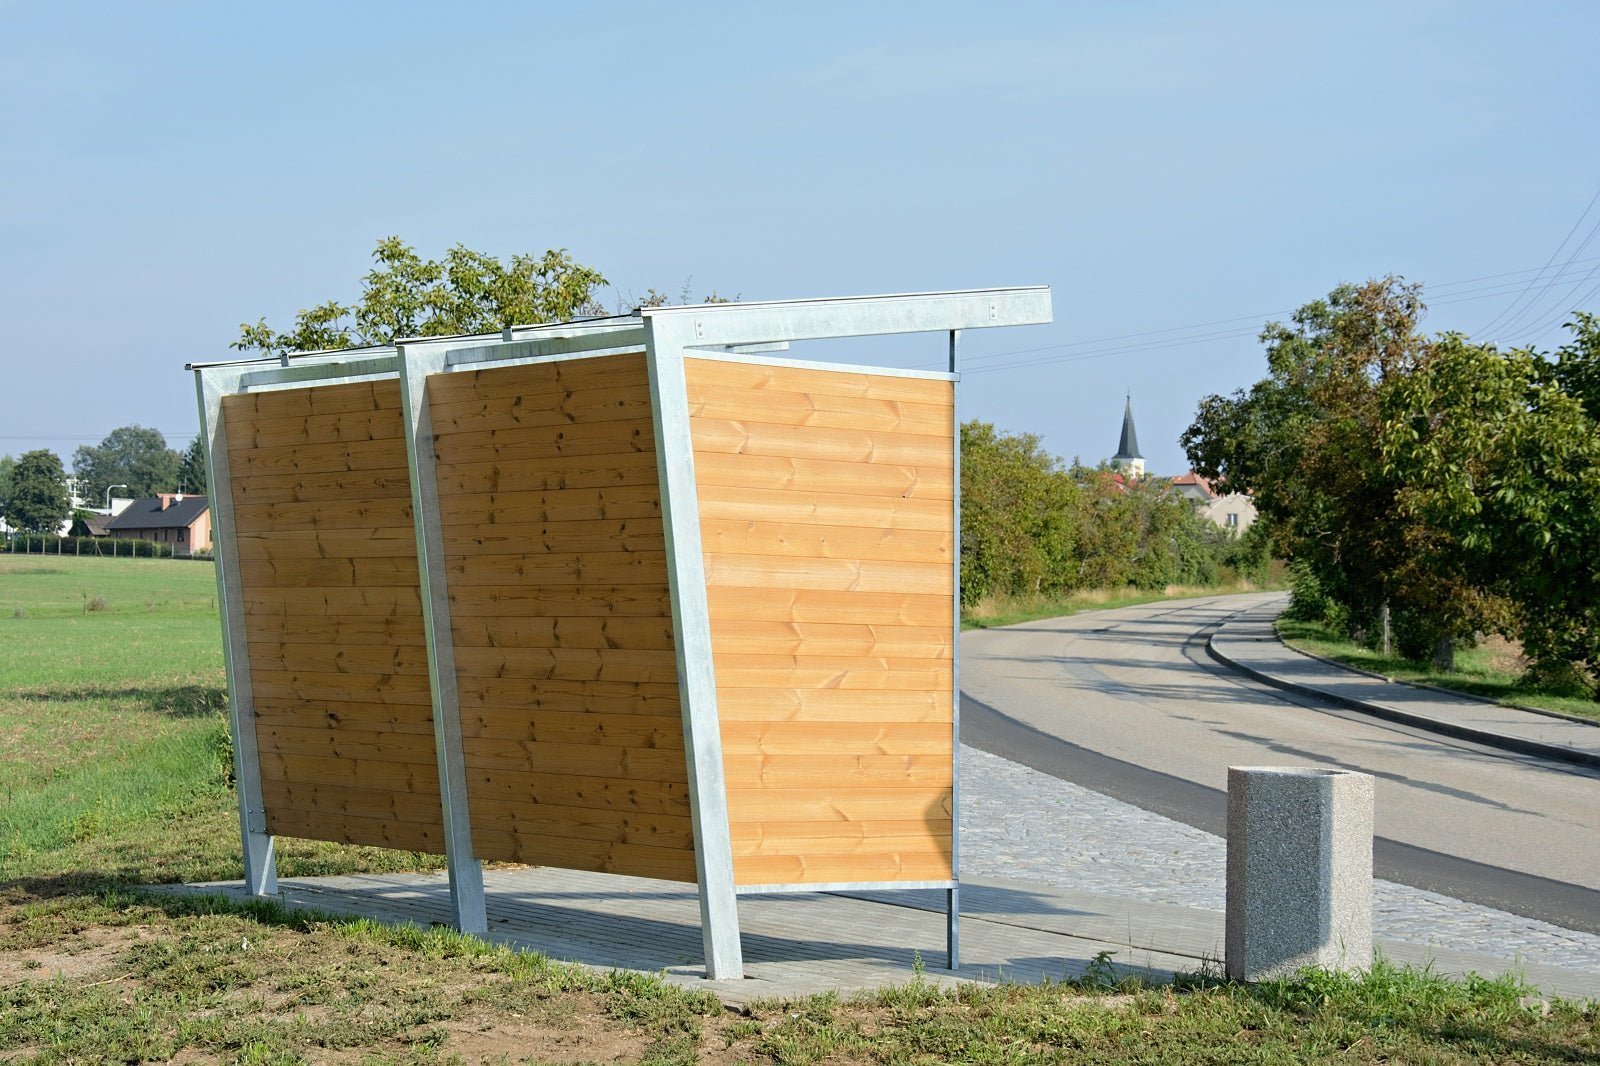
(466, 873)
(691, 629)
(952, 933)
(260, 865)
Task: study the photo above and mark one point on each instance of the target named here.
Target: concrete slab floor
(1011, 931)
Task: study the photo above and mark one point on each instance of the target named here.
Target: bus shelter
(635, 595)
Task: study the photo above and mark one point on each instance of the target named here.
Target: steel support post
(260, 864)
(691, 628)
(466, 872)
(952, 933)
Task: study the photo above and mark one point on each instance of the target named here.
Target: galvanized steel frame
(212, 383)
(260, 864)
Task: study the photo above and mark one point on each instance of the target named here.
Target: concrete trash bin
(1299, 870)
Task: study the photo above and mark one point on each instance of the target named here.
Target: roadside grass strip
(1493, 671)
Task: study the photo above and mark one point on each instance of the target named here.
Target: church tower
(1128, 459)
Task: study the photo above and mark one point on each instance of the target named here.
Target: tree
(192, 468)
(1305, 442)
(7, 465)
(1495, 455)
(405, 295)
(132, 456)
(38, 500)
(1018, 515)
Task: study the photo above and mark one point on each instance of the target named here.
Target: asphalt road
(1127, 703)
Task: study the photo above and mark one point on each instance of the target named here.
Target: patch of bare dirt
(590, 1038)
(92, 954)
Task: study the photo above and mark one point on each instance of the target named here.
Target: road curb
(1378, 710)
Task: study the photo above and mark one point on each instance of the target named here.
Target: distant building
(169, 518)
(1128, 460)
(1233, 511)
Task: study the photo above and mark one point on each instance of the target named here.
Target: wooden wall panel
(826, 518)
(328, 565)
(556, 570)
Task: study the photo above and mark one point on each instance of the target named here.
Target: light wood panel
(556, 570)
(826, 515)
(333, 618)
(758, 502)
(817, 410)
(756, 437)
(808, 540)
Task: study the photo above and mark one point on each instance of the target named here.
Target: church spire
(1128, 457)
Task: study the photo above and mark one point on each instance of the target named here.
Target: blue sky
(168, 171)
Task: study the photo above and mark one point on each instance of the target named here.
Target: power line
(1553, 255)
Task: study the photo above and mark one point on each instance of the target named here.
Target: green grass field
(114, 772)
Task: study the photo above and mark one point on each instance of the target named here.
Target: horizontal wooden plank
(340, 659)
(568, 664)
(808, 540)
(336, 801)
(626, 556)
(783, 704)
(831, 869)
(584, 760)
(749, 503)
(347, 829)
(831, 575)
(533, 443)
(839, 739)
(288, 517)
(313, 400)
(389, 601)
(820, 410)
(635, 860)
(703, 373)
(390, 541)
(821, 605)
(913, 847)
(524, 789)
(481, 695)
(842, 805)
(753, 435)
(325, 687)
(343, 488)
(345, 743)
(819, 835)
(566, 375)
(583, 823)
(419, 778)
(827, 772)
(332, 457)
(549, 632)
(577, 472)
(471, 514)
(867, 679)
(827, 638)
(585, 601)
(391, 629)
(784, 664)
(329, 573)
(538, 538)
(576, 727)
(338, 428)
(622, 403)
(825, 476)
(378, 717)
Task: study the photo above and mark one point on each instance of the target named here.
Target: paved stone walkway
(1020, 823)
